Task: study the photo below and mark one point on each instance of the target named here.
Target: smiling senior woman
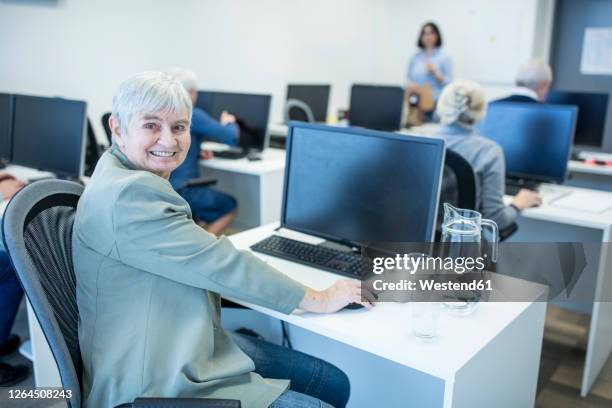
(149, 278)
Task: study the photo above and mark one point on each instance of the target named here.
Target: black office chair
(298, 110)
(93, 151)
(37, 228)
(107, 128)
(459, 189)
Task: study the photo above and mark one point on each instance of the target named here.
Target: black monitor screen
(251, 111)
(49, 134)
(315, 96)
(376, 107)
(592, 111)
(361, 186)
(536, 139)
(6, 120)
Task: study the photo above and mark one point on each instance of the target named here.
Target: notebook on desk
(585, 201)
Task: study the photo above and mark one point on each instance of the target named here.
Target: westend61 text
(432, 285)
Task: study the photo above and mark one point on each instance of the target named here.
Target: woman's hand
(526, 198)
(227, 118)
(335, 297)
(9, 186)
(431, 68)
(206, 154)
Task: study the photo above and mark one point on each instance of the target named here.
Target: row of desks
(260, 185)
(491, 355)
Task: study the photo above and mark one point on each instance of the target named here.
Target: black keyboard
(231, 154)
(514, 188)
(344, 263)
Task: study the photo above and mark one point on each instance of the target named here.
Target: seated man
(532, 83)
(212, 209)
(10, 297)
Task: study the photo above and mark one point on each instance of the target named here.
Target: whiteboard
(492, 44)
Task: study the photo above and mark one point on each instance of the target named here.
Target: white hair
(149, 92)
(461, 102)
(186, 77)
(532, 73)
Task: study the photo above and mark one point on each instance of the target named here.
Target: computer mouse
(353, 306)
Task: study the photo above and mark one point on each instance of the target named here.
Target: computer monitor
(361, 187)
(536, 138)
(376, 107)
(315, 96)
(6, 125)
(49, 134)
(252, 112)
(592, 111)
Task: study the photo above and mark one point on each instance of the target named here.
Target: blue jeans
(314, 382)
(10, 296)
(206, 204)
(292, 399)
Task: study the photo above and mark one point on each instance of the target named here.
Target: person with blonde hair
(461, 105)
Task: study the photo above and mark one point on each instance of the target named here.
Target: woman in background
(460, 106)
(429, 65)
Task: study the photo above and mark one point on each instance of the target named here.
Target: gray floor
(558, 385)
(562, 362)
(21, 328)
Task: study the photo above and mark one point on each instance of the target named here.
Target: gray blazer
(148, 285)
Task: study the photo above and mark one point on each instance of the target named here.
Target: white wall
(84, 48)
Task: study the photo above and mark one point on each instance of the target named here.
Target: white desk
(277, 129)
(596, 176)
(25, 173)
(551, 223)
(489, 357)
(256, 185)
(577, 166)
(544, 224)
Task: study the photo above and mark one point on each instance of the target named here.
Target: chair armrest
(509, 230)
(199, 182)
(182, 403)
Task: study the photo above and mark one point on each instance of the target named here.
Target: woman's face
(155, 141)
(429, 38)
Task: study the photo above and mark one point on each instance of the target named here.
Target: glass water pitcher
(462, 235)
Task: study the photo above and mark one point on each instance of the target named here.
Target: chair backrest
(93, 151)
(37, 227)
(107, 129)
(464, 178)
(458, 186)
(298, 110)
